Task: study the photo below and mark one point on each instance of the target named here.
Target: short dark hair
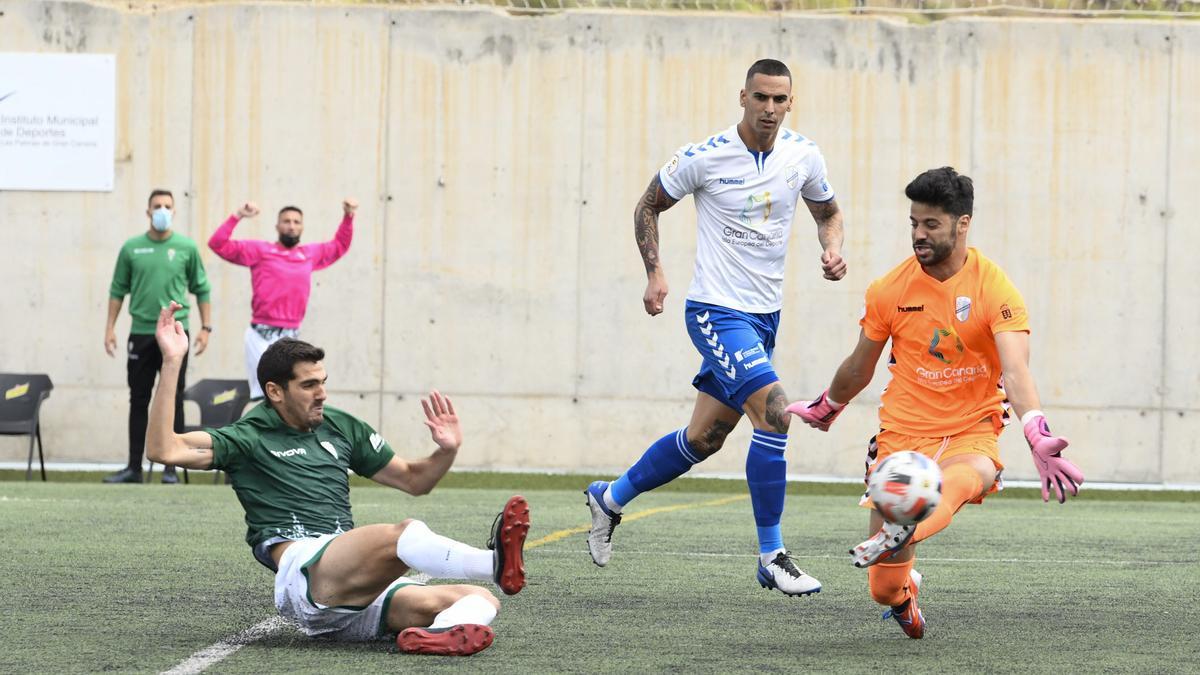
(944, 188)
(290, 208)
(769, 67)
(159, 192)
(278, 362)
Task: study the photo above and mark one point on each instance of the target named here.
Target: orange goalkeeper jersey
(944, 363)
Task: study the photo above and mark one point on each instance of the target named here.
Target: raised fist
(247, 210)
(349, 204)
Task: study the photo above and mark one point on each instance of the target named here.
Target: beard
(938, 251)
(289, 240)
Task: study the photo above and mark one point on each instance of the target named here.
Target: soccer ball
(906, 487)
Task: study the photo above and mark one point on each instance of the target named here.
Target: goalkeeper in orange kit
(960, 355)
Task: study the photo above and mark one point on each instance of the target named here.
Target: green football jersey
(292, 483)
(153, 273)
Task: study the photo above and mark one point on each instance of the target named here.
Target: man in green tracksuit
(152, 269)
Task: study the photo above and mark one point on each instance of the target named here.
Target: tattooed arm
(829, 232)
(645, 229)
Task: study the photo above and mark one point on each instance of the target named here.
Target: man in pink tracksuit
(280, 275)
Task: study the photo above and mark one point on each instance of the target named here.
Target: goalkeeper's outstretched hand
(818, 414)
(1053, 469)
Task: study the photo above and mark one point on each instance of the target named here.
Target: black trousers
(141, 369)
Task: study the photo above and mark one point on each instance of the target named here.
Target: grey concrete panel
(536, 432)
(655, 84)
(1071, 148)
(1179, 349)
(288, 111)
(497, 160)
(1181, 447)
(59, 248)
(1108, 445)
(483, 169)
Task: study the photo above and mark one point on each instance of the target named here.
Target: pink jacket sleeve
(246, 252)
(328, 252)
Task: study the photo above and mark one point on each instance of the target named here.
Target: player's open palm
(172, 341)
(442, 421)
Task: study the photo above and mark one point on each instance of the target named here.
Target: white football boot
(604, 522)
(782, 573)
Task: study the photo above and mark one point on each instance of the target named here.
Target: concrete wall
(498, 159)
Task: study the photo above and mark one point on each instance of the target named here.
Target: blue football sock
(665, 460)
(766, 474)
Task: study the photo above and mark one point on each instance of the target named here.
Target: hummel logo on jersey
(289, 453)
(731, 181)
(910, 308)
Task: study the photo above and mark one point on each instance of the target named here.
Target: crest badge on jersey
(962, 308)
(672, 165)
(329, 448)
(170, 254)
(792, 175)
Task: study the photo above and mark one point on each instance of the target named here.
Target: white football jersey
(745, 202)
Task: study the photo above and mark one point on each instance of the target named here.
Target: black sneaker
(508, 541)
(170, 477)
(125, 475)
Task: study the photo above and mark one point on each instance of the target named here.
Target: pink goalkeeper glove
(1047, 457)
(818, 414)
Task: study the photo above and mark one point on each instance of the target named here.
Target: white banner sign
(57, 120)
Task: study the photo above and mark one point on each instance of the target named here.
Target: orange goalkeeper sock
(960, 484)
(889, 582)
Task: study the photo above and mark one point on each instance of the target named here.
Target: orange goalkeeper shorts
(981, 439)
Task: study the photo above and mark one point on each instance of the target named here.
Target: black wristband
(206, 328)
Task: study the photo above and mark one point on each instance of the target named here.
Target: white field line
(923, 559)
(201, 660)
(52, 500)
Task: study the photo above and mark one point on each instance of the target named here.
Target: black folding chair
(221, 402)
(21, 396)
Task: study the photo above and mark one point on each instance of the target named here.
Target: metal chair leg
(29, 466)
(41, 455)
(185, 477)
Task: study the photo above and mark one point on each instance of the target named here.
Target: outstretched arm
(418, 477)
(851, 377)
(337, 247)
(856, 371)
(1054, 471)
(1013, 347)
(192, 450)
(236, 252)
(645, 229)
(828, 216)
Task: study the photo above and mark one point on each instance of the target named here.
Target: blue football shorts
(736, 348)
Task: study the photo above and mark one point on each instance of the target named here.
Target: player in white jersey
(746, 182)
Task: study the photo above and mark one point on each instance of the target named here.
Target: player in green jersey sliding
(289, 460)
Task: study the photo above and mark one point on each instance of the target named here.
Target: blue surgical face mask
(160, 219)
